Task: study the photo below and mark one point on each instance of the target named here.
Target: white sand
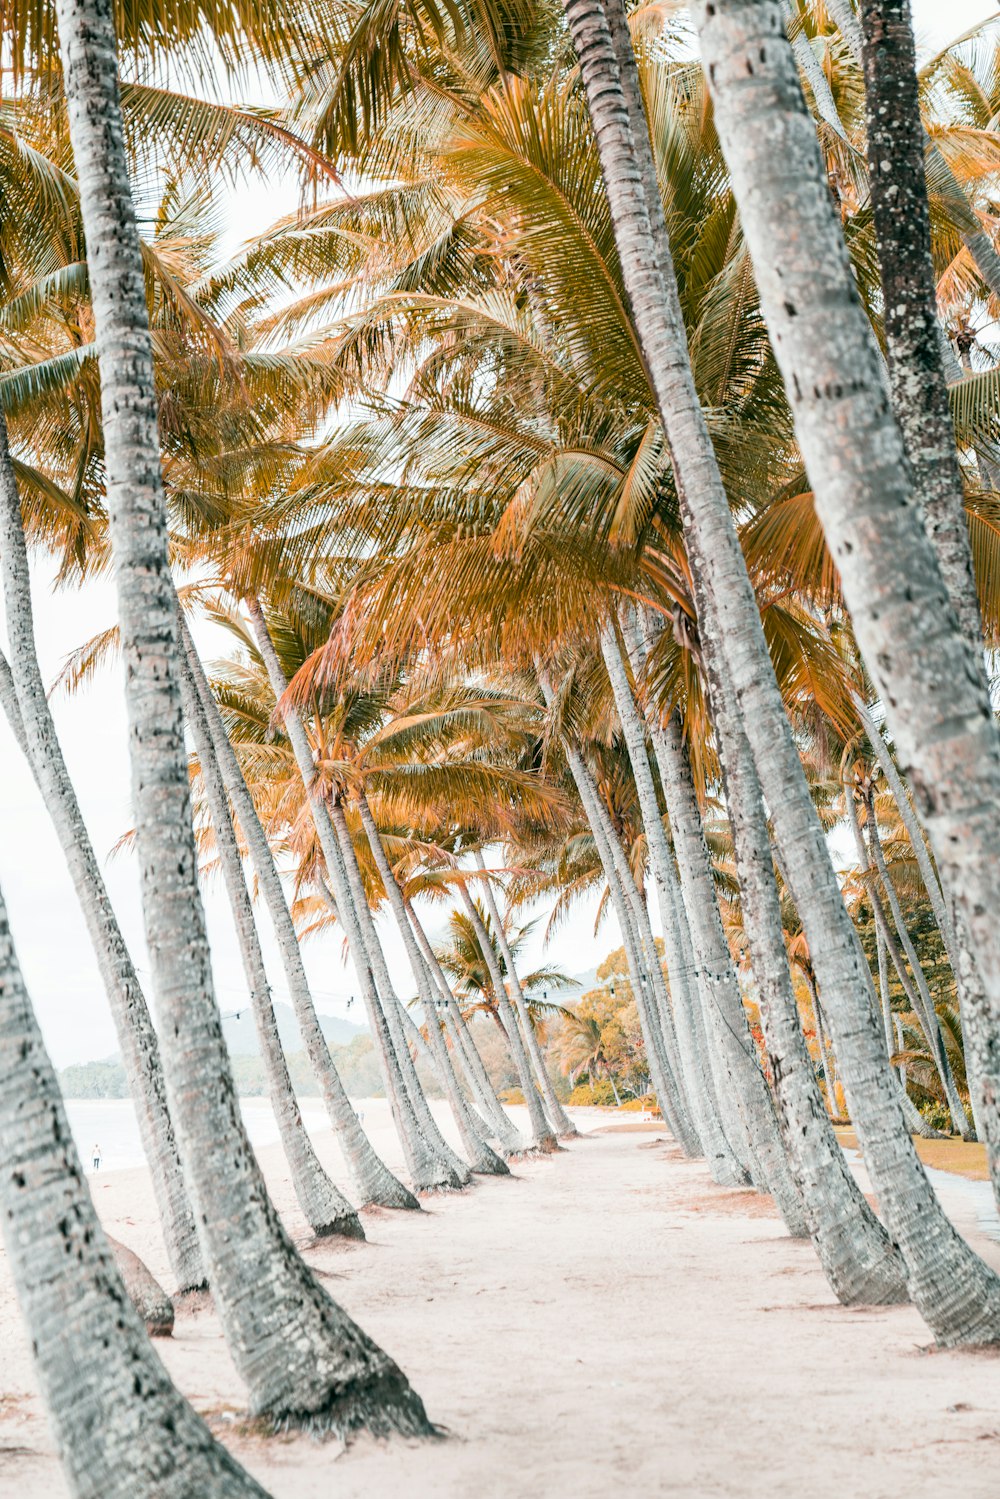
(607, 1320)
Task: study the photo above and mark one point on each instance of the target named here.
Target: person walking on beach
(97, 1157)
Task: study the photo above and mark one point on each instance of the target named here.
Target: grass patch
(961, 1157)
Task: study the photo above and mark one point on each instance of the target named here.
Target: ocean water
(111, 1124)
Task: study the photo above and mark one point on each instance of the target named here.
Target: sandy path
(606, 1319)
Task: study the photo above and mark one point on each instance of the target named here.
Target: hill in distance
(241, 1036)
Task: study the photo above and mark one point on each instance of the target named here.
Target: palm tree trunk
(692, 1038)
(123, 1431)
(901, 214)
(722, 1000)
(660, 1071)
(915, 1121)
(884, 994)
(426, 1172)
(652, 985)
(858, 1258)
(374, 1183)
(327, 1211)
(31, 718)
(921, 660)
(392, 1009)
(481, 1157)
(976, 241)
(925, 1010)
(843, 16)
(967, 981)
(476, 1075)
(302, 1358)
(542, 1136)
(143, 1290)
(953, 1289)
(919, 997)
(809, 67)
(564, 1126)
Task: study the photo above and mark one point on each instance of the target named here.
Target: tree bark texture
(137, 1039)
(121, 1428)
(482, 1158)
(326, 1210)
(954, 1291)
(374, 1183)
(563, 1125)
(303, 1360)
(901, 213)
(925, 669)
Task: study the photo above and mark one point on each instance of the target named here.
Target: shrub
(511, 1095)
(599, 1095)
(642, 1105)
(936, 1114)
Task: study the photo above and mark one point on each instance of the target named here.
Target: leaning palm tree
(951, 746)
(121, 1427)
(28, 711)
(937, 1260)
(312, 1364)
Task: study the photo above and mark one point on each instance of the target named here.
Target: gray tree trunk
(374, 1183)
(859, 1260)
(954, 1290)
(122, 1430)
(844, 17)
(391, 1007)
(144, 1291)
(660, 1071)
(967, 980)
(652, 985)
(930, 678)
(915, 988)
(327, 1211)
(701, 1058)
(28, 711)
(482, 1158)
(542, 1136)
(564, 1126)
(426, 1172)
(722, 1000)
(901, 214)
(465, 1047)
(304, 1361)
(925, 1009)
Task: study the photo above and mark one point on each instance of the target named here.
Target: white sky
(52, 942)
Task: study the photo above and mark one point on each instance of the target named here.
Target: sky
(51, 938)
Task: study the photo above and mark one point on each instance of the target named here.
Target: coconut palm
(121, 1426)
(888, 623)
(322, 1369)
(30, 717)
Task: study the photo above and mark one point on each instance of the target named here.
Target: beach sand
(606, 1320)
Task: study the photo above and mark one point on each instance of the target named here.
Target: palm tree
(429, 1169)
(937, 1261)
(326, 1209)
(481, 1156)
(722, 1002)
(560, 1120)
(31, 720)
(374, 1182)
(896, 155)
(121, 1427)
(863, 501)
(312, 1364)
